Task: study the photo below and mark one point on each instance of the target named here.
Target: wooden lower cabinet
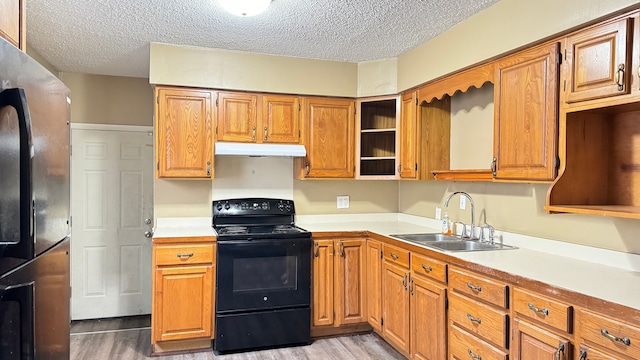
(395, 306)
(183, 293)
(535, 343)
(604, 337)
(428, 319)
(463, 346)
(339, 285)
(374, 284)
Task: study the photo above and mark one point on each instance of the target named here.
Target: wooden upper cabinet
(329, 137)
(12, 22)
(237, 117)
(526, 114)
(183, 133)
(599, 61)
(280, 119)
(408, 167)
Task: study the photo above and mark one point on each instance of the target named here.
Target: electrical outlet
(342, 202)
(438, 213)
(463, 202)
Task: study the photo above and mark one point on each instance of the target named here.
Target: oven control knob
(265, 205)
(227, 206)
(288, 206)
(281, 206)
(219, 207)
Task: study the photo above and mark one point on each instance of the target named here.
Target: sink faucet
(473, 223)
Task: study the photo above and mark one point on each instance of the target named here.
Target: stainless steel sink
(451, 243)
(426, 237)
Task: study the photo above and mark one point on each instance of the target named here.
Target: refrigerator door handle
(16, 98)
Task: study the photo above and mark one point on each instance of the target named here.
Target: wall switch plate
(438, 213)
(463, 202)
(342, 202)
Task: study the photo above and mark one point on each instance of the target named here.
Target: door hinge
(216, 102)
(557, 162)
(299, 133)
(381, 321)
(158, 165)
(299, 107)
(416, 101)
(564, 86)
(416, 166)
(565, 53)
(559, 59)
(216, 130)
(158, 99)
(446, 302)
(381, 254)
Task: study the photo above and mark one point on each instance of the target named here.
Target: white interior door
(111, 200)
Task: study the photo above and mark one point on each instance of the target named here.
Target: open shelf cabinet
(377, 138)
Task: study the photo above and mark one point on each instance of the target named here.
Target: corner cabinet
(183, 294)
(600, 105)
(338, 282)
(377, 138)
(328, 135)
(12, 22)
(526, 114)
(184, 141)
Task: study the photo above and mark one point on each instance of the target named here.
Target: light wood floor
(130, 338)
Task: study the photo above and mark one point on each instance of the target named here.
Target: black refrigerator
(34, 210)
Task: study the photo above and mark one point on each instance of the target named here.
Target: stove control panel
(253, 206)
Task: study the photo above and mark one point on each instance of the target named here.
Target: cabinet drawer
(479, 319)
(396, 256)
(479, 287)
(463, 345)
(184, 254)
(430, 268)
(548, 311)
(610, 334)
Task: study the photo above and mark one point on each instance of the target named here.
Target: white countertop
(604, 274)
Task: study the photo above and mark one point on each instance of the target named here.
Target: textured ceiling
(111, 37)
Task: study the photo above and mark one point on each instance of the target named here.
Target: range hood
(229, 148)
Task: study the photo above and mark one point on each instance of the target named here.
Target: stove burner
(235, 230)
(283, 228)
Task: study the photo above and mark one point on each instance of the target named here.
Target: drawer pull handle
(405, 281)
(473, 287)
(543, 311)
(394, 256)
(620, 77)
(316, 250)
(253, 133)
(473, 356)
(475, 320)
(181, 255)
(427, 268)
(266, 134)
(411, 287)
(625, 340)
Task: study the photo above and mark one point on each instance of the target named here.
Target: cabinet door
(408, 167)
(323, 311)
(599, 61)
(526, 119)
(350, 285)
(374, 284)
(12, 22)
(183, 133)
(237, 118)
(329, 138)
(183, 302)
(531, 342)
(280, 119)
(428, 320)
(395, 306)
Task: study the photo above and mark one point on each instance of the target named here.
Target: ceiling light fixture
(245, 7)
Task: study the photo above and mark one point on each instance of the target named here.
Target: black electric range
(263, 275)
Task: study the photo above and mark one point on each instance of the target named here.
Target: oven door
(263, 274)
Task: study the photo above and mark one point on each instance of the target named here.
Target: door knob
(148, 234)
(147, 221)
